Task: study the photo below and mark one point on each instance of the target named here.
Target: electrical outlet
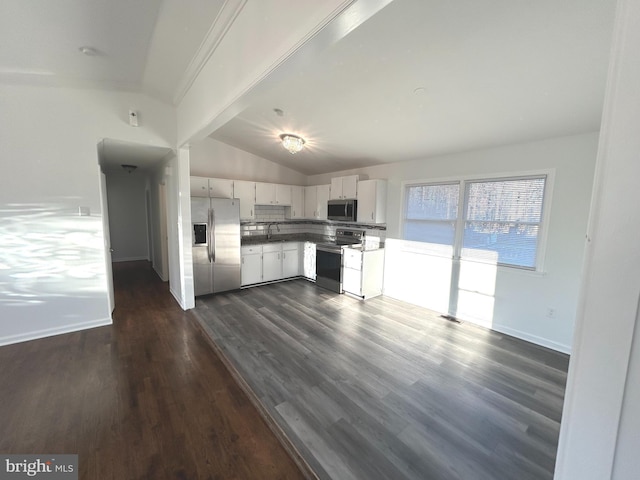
(551, 312)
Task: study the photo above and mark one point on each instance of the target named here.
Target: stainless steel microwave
(342, 210)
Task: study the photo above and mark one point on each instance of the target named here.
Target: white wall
(210, 158)
(52, 261)
(159, 218)
(600, 430)
(520, 298)
(126, 194)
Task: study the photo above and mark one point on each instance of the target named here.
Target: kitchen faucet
(269, 234)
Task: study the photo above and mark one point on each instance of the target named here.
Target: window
(431, 213)
(502, 218)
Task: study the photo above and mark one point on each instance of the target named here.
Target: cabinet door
(265, 193)
(310, 202)
(336, 188)
(246, 192)
(352, 281)
(199, 186)
(251, 269)
(283, 195)
(290, 261)
(220, 188)
(271, 266)
(372, 199)
(350, 186)
(322, 199)
(297, 202)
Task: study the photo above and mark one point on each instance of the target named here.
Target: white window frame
(463, 181)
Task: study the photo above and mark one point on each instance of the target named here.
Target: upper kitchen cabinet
(199, 187)
(220, 188)
(211, 187)
(315, 201)
(372, 200)
(297, 202)
(273, 194)
(344, 187)
(246, 192)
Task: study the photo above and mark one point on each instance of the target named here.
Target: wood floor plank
(384, 389)
(145, 398)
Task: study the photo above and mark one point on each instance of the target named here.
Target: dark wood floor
(146, 398)
(382, 389)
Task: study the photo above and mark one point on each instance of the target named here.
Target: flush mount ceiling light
(129, 168)
(292, 142)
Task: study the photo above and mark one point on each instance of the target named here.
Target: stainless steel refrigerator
(216, 244)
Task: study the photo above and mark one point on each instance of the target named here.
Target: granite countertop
(291, 237)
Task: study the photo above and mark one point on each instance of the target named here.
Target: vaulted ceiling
(420, 78)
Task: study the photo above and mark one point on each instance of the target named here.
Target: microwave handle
(345, 209)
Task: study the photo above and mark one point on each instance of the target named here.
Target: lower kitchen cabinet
(362, 272)
(271, 262)
(251, 266)
(290, 259)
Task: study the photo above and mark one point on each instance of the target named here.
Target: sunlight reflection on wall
(52, 268)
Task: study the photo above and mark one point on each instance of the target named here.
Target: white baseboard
(544, 342)
(177, 297)
(128, 259)
(50, 332)
(160, 274)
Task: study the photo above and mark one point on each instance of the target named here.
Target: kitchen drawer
(291, 246)
(249, 249)
(352, 258)
(271, 247)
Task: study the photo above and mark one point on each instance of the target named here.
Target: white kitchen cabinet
(310, 201)
(297, 203)
(344, 187)
(251, 267)
(322, 198)
(271, 262)
(290, 259)
(246, 192)
(199, 186)
(211, 187)
(309, 260)
(273, 194)
(362, 272)
(220, 188)
(315, 201)
(265, 193)
(372, 201)
(283, 195)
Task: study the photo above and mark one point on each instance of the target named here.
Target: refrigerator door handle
(213, 236)
(209, 235)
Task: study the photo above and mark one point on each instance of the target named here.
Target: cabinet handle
(371, 215)
(243, 260)
(284, 255)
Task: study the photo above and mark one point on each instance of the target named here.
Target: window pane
(503, 220)
(442, 233)
(432, 202)
(505, 243)
(507, 201)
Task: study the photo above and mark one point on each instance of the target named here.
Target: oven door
(329, 268)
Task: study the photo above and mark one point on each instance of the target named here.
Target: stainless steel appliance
(329, 258)
(342, 210)
(216, 244)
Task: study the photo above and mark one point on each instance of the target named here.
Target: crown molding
(219, 28)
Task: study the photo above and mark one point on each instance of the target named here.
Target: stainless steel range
(329, 258)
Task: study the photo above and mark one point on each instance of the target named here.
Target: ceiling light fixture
(292, 142)
(129, 168)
